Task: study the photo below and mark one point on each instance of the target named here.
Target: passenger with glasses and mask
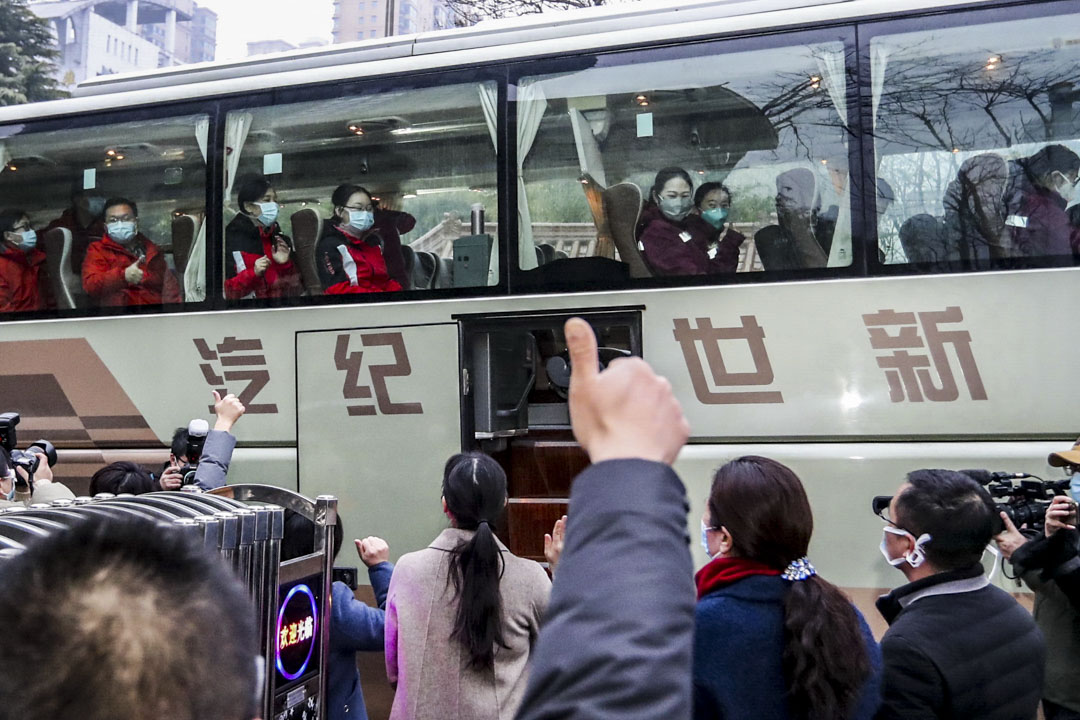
(23, 278)
(957, 646)
(360, 248)
(124, 268)
(673, 238)
(1049, 564)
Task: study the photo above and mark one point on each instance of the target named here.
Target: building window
(374, 19)
(373, 33)
(360, 35)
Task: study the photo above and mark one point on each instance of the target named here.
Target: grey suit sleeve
(214, 461)
(617, 641)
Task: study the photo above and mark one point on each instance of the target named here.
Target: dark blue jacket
(354, 627)
(738, 654)
(616, 641)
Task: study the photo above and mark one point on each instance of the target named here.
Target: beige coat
(433, 679)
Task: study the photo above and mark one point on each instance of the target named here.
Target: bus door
(378, 414)
(516, 375)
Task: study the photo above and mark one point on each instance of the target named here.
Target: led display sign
(297, 631)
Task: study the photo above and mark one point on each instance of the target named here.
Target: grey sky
(244, 21)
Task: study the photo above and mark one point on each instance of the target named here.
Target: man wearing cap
(1050, 565)
(957, 646)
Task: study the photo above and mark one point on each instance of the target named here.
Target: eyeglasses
(119, 218)
(369, 208)
(880, 506)
(21, 227)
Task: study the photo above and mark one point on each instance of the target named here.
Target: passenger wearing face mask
(83, 219)
(23, 279)
(1049, 564)
(712, 202)
(772, 639)
(957, 646)
(360, 250)
(124, 268)
(1040, 189)
(673, 239)
(259, 259)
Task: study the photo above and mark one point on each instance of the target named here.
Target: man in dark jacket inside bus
(956, 647)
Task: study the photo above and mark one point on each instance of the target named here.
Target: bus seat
(539, 255)
(307, 229)
(622, 206)
(424, 270)
(409, 256)
(444, 278)
(561, 255)
(547, 252)
(185, 229)
(66, 286)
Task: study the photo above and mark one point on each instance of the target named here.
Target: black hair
(299, 537)
(662, 178)
(9, 218)
(122, 477)
(114, 201)
(763, 504)
(179, 442)
(250, 188)
(957, 513)
(342, 193)
(474, 487)
(699, 196)
(133, 619)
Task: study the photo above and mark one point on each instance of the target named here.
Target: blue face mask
(715, 217)
(268, 213)
(10, 494)
(29, 240)
(676, 208)
(1074, 486)
(122, 231)
(705, 538)
(361, 220)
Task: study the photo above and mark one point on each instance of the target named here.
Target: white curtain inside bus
(195, 272)
(831, 63)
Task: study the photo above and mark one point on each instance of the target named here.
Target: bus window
(366, 194)
(700, 160)
(61, 179)
(976, 135)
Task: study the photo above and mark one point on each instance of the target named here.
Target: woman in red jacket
(124, 268)
(23, 282)
(360, 250)
(259, 259)
(674, 240)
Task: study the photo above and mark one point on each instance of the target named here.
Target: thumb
(581, 342)
(217, 396)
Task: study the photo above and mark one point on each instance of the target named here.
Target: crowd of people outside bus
(471, 630)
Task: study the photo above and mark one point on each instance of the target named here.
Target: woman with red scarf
(771, 638)
(360, 250)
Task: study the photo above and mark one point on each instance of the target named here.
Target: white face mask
(10, 494)
(705, 538)
(914, 558)
(1065, 188)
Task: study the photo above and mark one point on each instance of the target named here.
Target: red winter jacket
(103, 275)
(348, 264)
(24, 283)
(244, 244)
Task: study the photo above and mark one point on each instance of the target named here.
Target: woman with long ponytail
(772, 638)
(462, 615)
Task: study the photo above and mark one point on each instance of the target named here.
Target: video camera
(1023, 497)
(25, 459)
(197, 430)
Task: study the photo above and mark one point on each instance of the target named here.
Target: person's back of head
(954, 510)
(474, 488)
(763, 505)
(124, 618)
(122, 477)
(298, 538)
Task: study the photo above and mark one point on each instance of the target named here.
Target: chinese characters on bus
(296, 632)
(909, 373)
(710, 339)
(352, 363)
(233, 361)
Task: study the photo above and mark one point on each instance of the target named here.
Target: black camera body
(196, 439)
(1023, 497)
(187, 473)
(25, 459)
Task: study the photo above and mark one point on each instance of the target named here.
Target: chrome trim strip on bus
(516, 47)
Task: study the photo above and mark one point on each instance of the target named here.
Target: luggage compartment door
(378, 413)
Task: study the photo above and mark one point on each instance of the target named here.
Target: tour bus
(923, 150)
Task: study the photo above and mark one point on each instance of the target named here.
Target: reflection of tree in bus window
(794, 241)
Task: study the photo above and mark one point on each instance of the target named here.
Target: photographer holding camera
(26, 475)
(201, 456)
(1049, 564)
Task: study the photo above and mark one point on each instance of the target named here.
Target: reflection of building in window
(408, 16)
(138, 34)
